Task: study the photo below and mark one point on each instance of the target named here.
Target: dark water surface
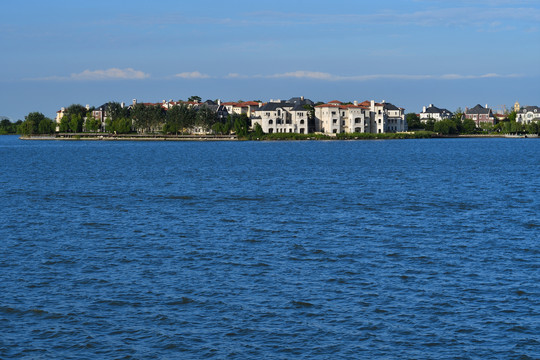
(286, 250)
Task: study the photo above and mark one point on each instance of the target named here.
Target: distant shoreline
(137, 137)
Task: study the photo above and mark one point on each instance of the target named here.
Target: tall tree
(413, 121)
(205, 117)
(76, 123)
(46, 126)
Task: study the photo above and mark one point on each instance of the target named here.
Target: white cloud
(236, 76)
(305, 75)
(92, 75)
(109, 74)
(192, 75)
(316, 75)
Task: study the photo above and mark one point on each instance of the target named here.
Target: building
(435, 113)
(480, 114)
(366, 117)
(245, 107)
(279, 116)
(336, 117)
(528, 114)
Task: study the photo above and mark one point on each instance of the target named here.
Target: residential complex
(303, 116)
(434, 113)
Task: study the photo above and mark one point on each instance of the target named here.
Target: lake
(275, 250)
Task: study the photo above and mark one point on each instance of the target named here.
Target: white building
(336, 117)
(528, 114)
(366, 117)
(433, 112)
(281, 117)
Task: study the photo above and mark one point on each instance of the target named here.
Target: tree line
(457, 124)
(185, 119)
(141, 118)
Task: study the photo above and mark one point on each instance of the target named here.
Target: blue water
(275, 250)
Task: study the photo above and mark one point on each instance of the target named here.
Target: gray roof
(478, 109)
(527, 109)
(273, 106)
(300, 100)
(389, 106)
(436, 110)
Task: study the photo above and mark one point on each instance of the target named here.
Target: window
(335, 131)
(302, 121)
(357, 121)
(270, 121)
(357, 130)
(301, 130)
(270, 130)
(333, 113)
(334, 121)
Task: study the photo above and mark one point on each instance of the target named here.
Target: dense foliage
(7, 127)
(36, 123)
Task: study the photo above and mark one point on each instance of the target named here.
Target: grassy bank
(345, 136)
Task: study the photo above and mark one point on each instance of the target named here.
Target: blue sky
(409, 52)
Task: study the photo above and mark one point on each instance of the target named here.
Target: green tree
(205, 117)
(445, 127)
(122, 125)
(429, 124)
(217, 128)
(36, 123)
(148, 118)
(258, 130)
(6, 127)
(26, 128)
(240, 123)
(413, 121)
(194, 98)
(469, 126)
(180, 118)
(46, 126)
(512, 116)
(64, 124)
(91, 124)
(116, 111)
(76, 123)
(76, 109)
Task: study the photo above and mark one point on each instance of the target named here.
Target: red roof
(331, 104)
(250, 103)
(334, 102)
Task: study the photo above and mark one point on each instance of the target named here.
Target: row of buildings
(480, 114)
(293, 116)
(300, 115)
(296, 115)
